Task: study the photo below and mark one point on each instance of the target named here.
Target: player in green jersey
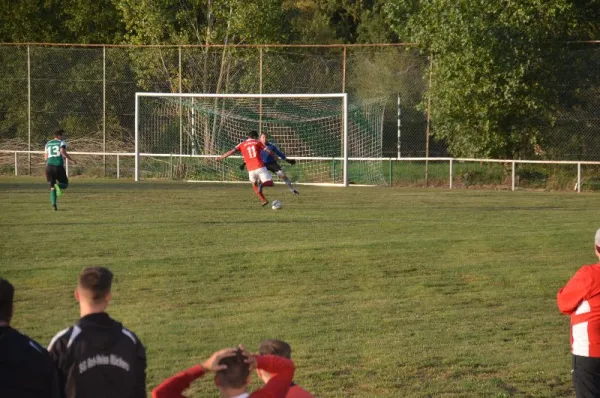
(56, 175)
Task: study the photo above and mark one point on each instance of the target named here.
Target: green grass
(381, 291)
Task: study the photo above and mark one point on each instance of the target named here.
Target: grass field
(382, 292)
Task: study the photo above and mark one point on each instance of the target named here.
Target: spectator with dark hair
(26, 369)
(281, 349)
(98, 357)
(232, 375)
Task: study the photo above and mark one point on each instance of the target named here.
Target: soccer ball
(276, 205)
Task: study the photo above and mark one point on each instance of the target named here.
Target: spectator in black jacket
(98, 357)
(26, 369)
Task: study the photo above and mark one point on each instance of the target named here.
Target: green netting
(196, 129)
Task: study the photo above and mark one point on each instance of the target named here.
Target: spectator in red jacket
(580, 298)
(232, 375)
(281, 349)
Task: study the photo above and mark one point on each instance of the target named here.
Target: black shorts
(273, 167)
(586, 376)
(56, 173)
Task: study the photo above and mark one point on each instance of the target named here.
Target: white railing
(451, 162)
(118, 156)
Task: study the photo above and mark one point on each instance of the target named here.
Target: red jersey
(580, 298)
(251, 150)
(277, 387)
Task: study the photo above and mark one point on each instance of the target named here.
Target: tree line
(506, 77)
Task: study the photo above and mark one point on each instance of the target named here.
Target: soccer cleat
(58, 191)
(54, 208)
(295, 192)
(264, 202)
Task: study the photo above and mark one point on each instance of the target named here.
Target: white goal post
(181, 135)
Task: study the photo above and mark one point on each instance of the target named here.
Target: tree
(31, 21)
(92, 22)
(54, 21)
(374, 26)
(495, 68)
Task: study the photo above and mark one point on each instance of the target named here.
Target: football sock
(265, 184)
(57, 190)
(53, 197)
(288, 183)
(259, 193)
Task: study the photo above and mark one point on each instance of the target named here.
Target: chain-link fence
(89, 91)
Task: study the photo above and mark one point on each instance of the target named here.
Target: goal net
(180, 136)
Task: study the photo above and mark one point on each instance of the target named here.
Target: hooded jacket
(26, 369)
(98, 357)
(580, 298)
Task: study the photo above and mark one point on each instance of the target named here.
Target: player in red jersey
(257, 172)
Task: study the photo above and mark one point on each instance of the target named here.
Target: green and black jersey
(53, 151)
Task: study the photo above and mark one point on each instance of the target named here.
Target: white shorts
(261, 175)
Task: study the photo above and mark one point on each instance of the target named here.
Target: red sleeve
(279, 384)
(174, 386)
(578, 288)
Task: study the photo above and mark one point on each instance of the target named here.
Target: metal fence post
(180, 83)
(118, 170)
(451, 171)
(260, 88)
(16, 165)
(428, 122)
(513, 176)
(29, 110)
(578, 177)
(104, 107)
(344, 69)
(391, 174)
(398, 126)
(136, 175)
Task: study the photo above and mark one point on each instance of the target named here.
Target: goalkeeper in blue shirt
(271, 162)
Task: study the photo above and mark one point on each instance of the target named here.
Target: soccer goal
(181, 135)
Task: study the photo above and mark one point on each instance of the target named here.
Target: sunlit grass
(380, 291)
